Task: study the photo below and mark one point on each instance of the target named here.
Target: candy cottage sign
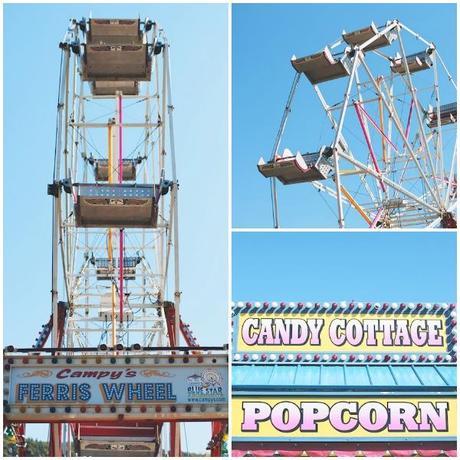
(352, 379)
(342, 333)
(155, 389)
(349, 328)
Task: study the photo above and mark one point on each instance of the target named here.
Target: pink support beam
(369, 144)
(376, 219)
(120, 139)
(406, 134)
(120, 181)
(121, 275)
(360, 107)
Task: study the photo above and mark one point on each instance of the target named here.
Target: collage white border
(230, 229)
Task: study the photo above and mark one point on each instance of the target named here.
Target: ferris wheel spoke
(391, 109)
(409, 82)
(451, 179)
(335, 144)
(439, 143)
(344, 145)
(387, 181)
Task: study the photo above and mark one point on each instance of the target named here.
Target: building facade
(344, 379)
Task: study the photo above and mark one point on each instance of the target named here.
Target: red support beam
(174, 440)
(20, 433)
(170, 314)
(55, 441)
(55, 447)
(174, 435)
(218, 432)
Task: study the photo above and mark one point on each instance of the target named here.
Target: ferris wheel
(115, 228)
(114, 185)
(391, 155)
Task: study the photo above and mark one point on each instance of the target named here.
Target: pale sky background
(351, 266)
(198, 38)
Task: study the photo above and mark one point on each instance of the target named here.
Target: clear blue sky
(198, 37)
(264, 39)
(328, 267)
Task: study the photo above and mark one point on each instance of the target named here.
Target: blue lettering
(34, 392)
(148, 391)
(170, 396)
(74, 388)
(47, 392)
(137, 391)
(113, 390)
(62, 392)
(22, 390)
(160, 392)
(85, 394)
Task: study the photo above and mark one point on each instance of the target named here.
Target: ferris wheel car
(110, 88)
(116, 62)
(290, 169)
(415, 62)
(323, 66)
(101, 170)
(142, 440)
(115, 50)
(117, 205)
(105, 268)
(118, 449)
(361, 36)
(105, 311)
(448, 115)
(114, 31)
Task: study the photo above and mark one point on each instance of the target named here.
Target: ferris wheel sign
(182, 391)
(422, 329)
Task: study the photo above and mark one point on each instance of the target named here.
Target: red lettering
(64, 373)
